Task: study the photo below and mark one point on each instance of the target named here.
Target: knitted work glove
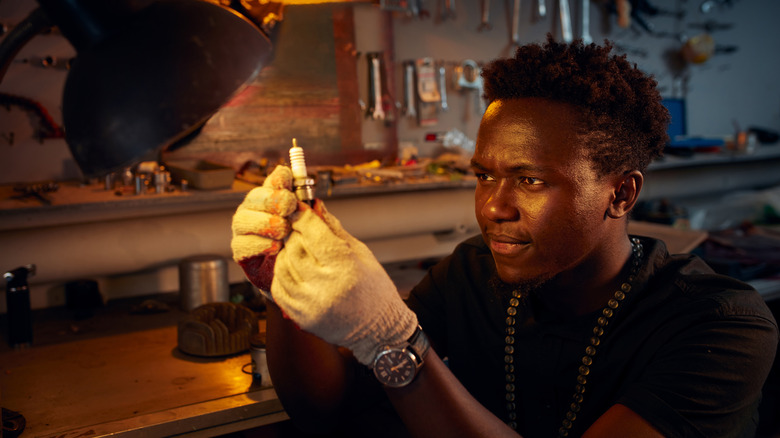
(332, 286)
(259, 225)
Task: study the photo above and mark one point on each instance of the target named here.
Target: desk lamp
(144, 76)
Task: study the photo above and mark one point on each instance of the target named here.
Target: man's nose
(501, 205)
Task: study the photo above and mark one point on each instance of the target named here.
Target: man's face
(540, 206)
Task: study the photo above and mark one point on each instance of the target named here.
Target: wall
(739, 85)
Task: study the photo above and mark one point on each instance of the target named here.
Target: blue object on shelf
(678, 128)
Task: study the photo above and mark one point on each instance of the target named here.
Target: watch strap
(419, 344)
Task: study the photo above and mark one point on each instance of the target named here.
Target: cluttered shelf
(690, 158)
(74, 202)
(34, 205)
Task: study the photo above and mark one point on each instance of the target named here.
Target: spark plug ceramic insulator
(302, 183)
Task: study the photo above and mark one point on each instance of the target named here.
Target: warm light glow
(314, 2)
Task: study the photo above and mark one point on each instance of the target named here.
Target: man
(554, 321)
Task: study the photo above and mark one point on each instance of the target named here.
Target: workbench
(121, 374)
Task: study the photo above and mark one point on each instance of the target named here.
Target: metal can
(257, 350)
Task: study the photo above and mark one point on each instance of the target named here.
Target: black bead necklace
(587, 360)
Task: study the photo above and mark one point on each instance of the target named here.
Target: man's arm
(315, 382)
(312, 378)
(436, 404)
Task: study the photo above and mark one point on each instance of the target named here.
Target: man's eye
(530, 181)
(484, 177)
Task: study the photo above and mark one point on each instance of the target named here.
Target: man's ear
(627, 188)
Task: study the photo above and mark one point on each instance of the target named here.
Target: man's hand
(332, 286)
(260, 224)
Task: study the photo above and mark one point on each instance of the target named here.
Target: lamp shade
(154, 80)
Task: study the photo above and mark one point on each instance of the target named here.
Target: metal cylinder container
(203, 279)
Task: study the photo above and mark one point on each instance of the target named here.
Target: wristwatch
(397, 366)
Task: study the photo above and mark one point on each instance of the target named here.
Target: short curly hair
(624, 119)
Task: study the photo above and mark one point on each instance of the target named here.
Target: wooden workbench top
(131, 384)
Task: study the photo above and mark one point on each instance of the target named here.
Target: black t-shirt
(688, 349)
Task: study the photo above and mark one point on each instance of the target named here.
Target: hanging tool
(397, 6)
(443, 87)
(708, 6)
(541, 8)
(428, 96)
(566, 32)
(710, 26)
(417, 9)
(375, 110)
(448, 10)
(516, 23)
(468, 76)
(623, 11)
(586, 38)
(411, 8)
(409, 90)
(485, 24)
(634, 11)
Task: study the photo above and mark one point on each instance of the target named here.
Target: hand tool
(541, 8)
(468, 76)
(375, 110)
(624, 13)
(566, 32)
(443, 87)
(516, 23)
(586, 38)
(409, 94)
(428, 97)
(485, 24)
(449, 10)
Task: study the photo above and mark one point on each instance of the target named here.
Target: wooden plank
(117, 379)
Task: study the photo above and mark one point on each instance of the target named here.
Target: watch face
(395, 368)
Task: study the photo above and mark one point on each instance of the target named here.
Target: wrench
(375, 110)
(586, 38)
(516, 23)
(443, 87)
(565, 21)
(409, 92)
(485, 24)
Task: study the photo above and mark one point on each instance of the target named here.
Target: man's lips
(506, 245)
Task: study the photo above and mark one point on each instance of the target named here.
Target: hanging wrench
(586, 38)
(409, 90)
(565, 21)
(516, 23)
(375, 110)
(443, 87)
(485, 24)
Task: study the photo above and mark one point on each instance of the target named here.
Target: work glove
(259, 226)
(332, 286)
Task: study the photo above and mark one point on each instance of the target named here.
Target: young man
(554, 321)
